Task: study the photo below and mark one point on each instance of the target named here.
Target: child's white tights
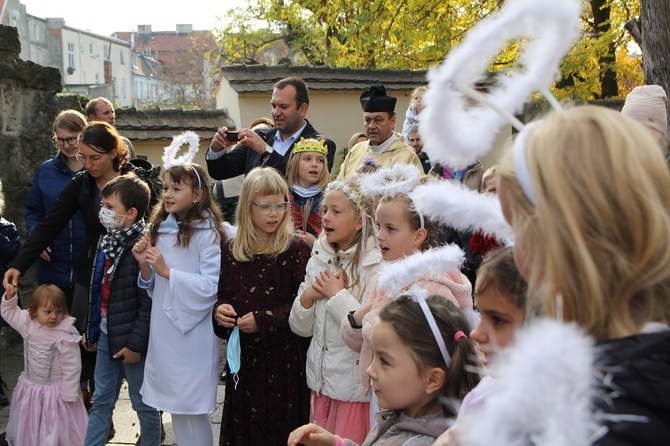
(195, 430)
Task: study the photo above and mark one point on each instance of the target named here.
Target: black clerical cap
(375, 100)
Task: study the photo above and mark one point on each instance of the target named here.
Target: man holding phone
(267, 147)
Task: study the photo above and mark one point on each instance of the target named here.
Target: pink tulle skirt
(38, 416)
(347, 419)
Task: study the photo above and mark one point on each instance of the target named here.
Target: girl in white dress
(179, 266)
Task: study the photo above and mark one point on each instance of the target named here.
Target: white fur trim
(397, 276)
(455, 205)
(455, 133)
(170, 158)
(545, 388)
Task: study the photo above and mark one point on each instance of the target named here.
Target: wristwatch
(352, 321)
(269, 150)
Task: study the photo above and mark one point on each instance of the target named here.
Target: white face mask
(108, 220)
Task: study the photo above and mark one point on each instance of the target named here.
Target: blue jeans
(108, 376)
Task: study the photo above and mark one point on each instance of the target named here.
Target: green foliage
(416, 34)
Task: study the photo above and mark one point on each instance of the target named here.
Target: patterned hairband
(351, 194)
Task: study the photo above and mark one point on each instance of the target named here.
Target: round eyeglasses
(93, 159)
(266, 208)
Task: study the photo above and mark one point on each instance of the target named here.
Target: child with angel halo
(401, 232)
(179, 266)
(262, 268)
(307, 176)
(47, 407)
(422, 356)
(344, 258)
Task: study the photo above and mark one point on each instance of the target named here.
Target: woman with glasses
(58, 262)
(104, 157)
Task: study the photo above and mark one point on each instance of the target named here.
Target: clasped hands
(227, 317)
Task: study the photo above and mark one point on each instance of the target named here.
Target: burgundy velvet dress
(272, 397)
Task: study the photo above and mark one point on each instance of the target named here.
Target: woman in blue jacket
(58, 262)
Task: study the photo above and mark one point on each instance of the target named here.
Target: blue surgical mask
(234, 354)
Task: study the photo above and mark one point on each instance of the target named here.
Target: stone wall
(28, 106)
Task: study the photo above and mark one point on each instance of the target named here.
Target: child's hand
(129, 356)
(247, 323)
(329, 284)
(312, 435)
(140, 249)
(92, 348)
(225, 315)
(306, 237)
(155, 259)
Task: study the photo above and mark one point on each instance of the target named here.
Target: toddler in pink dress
(47, 407)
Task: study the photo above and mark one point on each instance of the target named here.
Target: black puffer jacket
(640, 368)
(129, 307)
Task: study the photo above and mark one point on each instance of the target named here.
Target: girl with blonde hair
(261, 271)
(588, 195)
(345, 258)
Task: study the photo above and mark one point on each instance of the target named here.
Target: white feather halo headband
(170, 158)
(455, 133)
(400, 275)
(399, 179)
(455, 205)
(170, 152)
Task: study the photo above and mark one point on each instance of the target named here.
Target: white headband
(420, 298)
(521, 164)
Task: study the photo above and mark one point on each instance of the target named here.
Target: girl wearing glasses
(261, 270)
(307, 176)
(57, 264)
(104, 156)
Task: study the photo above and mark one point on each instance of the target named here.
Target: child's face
(395, 235)
(266, 224)
(178, 197)
(490, 187)
(340, 223)
(113, 203)
(395, 376)
(310, 168)
(49, 317)
(500, 318)
(418, 102)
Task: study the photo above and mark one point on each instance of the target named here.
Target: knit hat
(375, 100)
(646, 104)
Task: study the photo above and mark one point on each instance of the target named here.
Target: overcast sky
(125, 15)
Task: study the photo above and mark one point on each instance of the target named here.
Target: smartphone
(231, 135)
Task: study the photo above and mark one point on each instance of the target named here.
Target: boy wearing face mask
(118, 324)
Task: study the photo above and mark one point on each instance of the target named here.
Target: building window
(123, 87)
(36, 33)
(91, 49)
(123, 58)
(70, 56)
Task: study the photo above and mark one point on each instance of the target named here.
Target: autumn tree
(417, 34)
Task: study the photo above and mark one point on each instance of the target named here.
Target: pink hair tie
(458, 335)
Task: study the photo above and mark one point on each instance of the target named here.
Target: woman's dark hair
(410, 324)
(103, 138)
